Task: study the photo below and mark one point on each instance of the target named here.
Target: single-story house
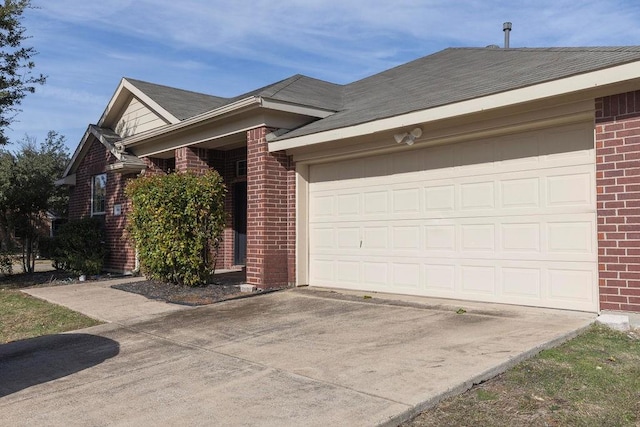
(487, 174)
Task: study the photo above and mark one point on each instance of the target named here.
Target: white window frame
(94, 179)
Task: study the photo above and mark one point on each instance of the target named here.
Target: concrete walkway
(297, 357)
(98, 300)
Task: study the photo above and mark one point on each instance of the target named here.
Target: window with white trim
(98, 194)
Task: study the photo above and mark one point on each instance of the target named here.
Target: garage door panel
(522, 282)
(406, 275)
(541, 237)
(521, 237)
(549, 284)
(570, 237)
(510, 219)
(439, 199)
(477, 195)
(439, 278)
(406, 200)
(520, 193)
(570, 189)
(552, 191)
(570, 283)
(375, 203)
(440, 238)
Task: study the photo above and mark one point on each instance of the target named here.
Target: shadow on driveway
(38, 360)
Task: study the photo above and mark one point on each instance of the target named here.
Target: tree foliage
(27, 191)
(177, 221)
(16, 75)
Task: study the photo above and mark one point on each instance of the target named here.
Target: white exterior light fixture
(408, 137)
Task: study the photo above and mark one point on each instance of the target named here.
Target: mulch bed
(224, 286)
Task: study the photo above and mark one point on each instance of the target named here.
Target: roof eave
(244, 104)
(69, 180)
(573, 84)
(126, 168)
(233, 108)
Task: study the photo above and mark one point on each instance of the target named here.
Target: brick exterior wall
(193, 159)
(617, 134)
(271, 214)
(122, 255)
(270, 199)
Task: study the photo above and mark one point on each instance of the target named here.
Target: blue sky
(227, 47)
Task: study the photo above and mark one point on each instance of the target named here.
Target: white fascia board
(200, 118)
(76, 154)
(129, 87)
(536, 92)
(112, 149)
(114, 98)
(302, 110)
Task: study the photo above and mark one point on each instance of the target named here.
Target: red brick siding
(191, 158)
(122, 252)
(618, 196)
(271, 219)
(122, 255)
(156, 166)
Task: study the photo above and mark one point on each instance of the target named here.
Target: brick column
(155, 166)
(618, 197)
(270, 214)
(192, 159)
(122, 254)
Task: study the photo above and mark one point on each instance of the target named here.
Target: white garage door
(510, 219)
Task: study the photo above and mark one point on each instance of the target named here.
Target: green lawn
(22, 316)
(592, 380)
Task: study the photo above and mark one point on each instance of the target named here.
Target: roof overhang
(230, 119)
(593, 84)
(125, 167)
(69, 180)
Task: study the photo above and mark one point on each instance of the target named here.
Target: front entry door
(240, 223)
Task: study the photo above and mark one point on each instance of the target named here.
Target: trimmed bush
(80, 247)
(177, 221)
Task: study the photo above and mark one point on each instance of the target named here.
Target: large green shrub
(80, 246)
(177, 221)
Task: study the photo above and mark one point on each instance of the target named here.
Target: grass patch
(22, 316)
(592, 380)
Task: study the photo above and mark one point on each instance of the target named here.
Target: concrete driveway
(297, 357)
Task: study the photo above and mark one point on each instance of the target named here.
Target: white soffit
(582, 82)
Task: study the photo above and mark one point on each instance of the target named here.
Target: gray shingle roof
(181, 103)
(297, 89)
(449, 76)
(459, 74)
(303, 90)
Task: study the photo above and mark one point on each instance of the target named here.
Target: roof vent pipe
(506, 27)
